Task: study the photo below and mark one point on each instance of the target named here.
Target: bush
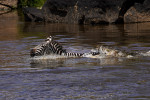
(30, 3)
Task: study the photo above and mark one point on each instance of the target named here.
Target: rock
(87, 12)
(127, 4)
(33, 14)
(138, 13)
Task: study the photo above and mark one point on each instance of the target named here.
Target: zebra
(52, 47)
(48, 47)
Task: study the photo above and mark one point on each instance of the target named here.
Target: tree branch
(7, 6)
(5, 12)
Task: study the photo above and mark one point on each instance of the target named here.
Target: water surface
(72, 78)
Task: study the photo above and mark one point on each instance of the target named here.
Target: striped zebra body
(53, 47)
(38, 50)
(56, 48)
(48, 47)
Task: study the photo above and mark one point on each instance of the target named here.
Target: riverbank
(81, 12)
(90, 12)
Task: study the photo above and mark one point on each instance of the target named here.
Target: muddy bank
(90, 11)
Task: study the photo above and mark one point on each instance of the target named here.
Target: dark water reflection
(72, 78)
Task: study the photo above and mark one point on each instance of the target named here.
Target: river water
(73, 78)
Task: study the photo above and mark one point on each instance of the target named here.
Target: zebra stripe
(71, 54)
(48, 47)
(53, 47)
(38, 50)
(94, 53)
(56, 47)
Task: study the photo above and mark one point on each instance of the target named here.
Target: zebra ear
(49, 39)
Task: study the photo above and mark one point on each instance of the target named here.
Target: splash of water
(51, 56)
(145, 54)
(104, 52)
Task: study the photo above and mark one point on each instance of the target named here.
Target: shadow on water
(137, 32)
(72, 78)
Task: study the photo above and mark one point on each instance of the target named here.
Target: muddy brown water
(73, 78)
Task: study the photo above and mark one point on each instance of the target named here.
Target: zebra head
(49, 39)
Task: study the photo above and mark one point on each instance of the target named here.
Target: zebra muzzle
(32, 52)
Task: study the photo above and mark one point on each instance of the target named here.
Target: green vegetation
(30, 3)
